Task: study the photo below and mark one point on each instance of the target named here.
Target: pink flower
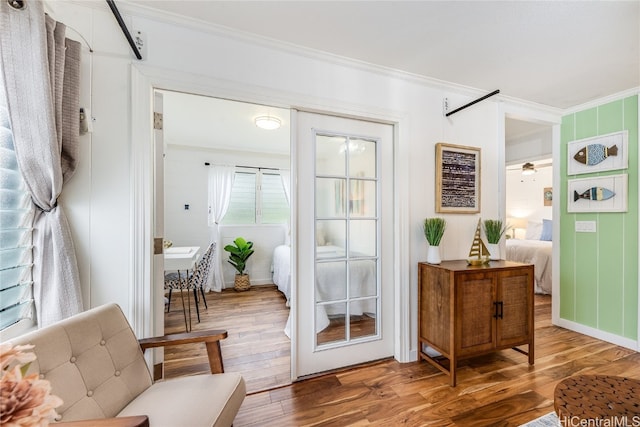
(24, 400)
(10, 354)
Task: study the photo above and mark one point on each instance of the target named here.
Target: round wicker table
(598, 399)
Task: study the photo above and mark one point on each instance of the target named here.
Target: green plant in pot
(494, 229)
(433, 231)
(239, 252)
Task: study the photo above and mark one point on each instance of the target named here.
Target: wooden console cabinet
(466, 311)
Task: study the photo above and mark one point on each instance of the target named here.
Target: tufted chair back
(93, 362)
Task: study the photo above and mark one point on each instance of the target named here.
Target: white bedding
(362, 281)
(536, 252)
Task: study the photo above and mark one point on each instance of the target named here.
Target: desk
(182, 258)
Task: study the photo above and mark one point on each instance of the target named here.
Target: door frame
(144, 80)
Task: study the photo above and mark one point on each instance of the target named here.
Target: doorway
(529, 197)
(200, 133)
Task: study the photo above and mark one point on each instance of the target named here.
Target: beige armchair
(96, 366)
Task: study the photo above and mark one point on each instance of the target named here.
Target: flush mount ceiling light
(268, 122)
(528, 169)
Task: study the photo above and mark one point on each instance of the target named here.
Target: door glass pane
(362, 278)
(332, 325)
(331, 197)
(331, 155)
(362, 158)
(331, 238)
(331, 282)
(362, 198)
(362, 238)
(363, 318)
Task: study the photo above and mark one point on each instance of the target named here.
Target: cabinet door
(515, 290)
(475, 323)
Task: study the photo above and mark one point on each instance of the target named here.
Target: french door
(344, 242)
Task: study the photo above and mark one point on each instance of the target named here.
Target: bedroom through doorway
(529, 198)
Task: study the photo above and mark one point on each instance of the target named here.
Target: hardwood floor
(256, 346)
(499, 389)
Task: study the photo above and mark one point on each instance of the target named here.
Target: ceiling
(205, 122)
(555, 53)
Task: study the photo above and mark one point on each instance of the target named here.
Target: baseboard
(601, 335)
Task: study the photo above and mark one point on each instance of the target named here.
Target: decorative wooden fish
(593, 154)
(594, 193)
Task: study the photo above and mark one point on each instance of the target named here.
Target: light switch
(585, 226)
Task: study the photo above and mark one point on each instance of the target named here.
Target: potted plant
(239, 252)
(494, 229)
(433, 231)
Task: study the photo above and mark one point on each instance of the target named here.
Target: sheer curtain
(220, 185)
(285, 176)
(41, 72)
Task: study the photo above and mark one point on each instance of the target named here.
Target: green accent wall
(599, 271)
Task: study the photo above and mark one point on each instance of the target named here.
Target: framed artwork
(457, 178)
(598, 194)
(547, 196)
(598, 154)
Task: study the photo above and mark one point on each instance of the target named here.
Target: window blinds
(16, 217)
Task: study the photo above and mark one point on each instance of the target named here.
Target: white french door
(344, 242)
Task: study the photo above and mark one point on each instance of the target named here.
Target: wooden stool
(598, 397)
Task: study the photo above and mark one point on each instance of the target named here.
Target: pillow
(534, 230)
(547, 230)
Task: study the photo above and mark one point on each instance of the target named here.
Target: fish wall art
(594, 193)
(598, 154)
(593, 154)
(598, 194)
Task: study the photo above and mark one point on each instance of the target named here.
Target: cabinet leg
(452, 372)
(531, 358)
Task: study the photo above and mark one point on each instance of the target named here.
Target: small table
(182, 258)
(598, 397)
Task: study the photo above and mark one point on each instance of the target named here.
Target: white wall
(525, 194)
(260, 72)
(186, 178)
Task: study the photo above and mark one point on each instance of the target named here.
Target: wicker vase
(242, 282)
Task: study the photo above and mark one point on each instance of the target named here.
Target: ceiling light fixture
(528, 169)
(268, 122)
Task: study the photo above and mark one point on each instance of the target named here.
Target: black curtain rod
(248, 167)
(124, 28)
(495, 92)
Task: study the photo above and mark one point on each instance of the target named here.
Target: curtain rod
(248, 167)
(124, 28)
(482, 98)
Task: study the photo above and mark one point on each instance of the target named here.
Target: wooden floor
(256, 346)
(500, 389)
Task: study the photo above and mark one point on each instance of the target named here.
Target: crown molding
(604, 100)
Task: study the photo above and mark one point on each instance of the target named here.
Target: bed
(362, 281)
(536, 252)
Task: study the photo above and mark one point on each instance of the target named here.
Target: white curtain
(285, 176)
(41, 72)
(220, 185)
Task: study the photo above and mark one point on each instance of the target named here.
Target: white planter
(494, 251)
(433, 255)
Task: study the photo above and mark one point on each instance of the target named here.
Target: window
(257, 198)
(16, 216)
